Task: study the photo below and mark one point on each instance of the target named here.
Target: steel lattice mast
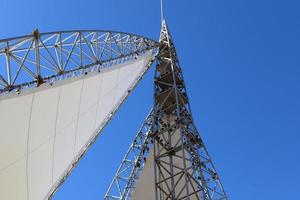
(183, 168)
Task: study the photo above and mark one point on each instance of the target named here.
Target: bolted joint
(10, 87)
(7, 52)
(36, 34)
(61, 72)
(39, 80)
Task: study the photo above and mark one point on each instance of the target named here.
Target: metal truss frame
(183, 168)
(29, 61)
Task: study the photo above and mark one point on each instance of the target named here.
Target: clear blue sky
(241, 62)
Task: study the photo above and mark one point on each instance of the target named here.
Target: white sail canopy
(44, 131)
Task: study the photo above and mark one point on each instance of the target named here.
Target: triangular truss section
(30, 61)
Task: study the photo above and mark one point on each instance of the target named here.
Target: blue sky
(241, 63)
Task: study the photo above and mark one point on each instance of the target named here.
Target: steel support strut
(132, 164)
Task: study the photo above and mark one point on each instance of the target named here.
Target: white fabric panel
(40, 170)
(62, 158)
(13, 184)
(125, 79)
(44, 130)
(66, 126)
(144, 188)
(87, 111)
(14, 118)
(107, 95)
(40, 143)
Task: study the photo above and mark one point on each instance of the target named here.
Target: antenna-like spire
(162, 10)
